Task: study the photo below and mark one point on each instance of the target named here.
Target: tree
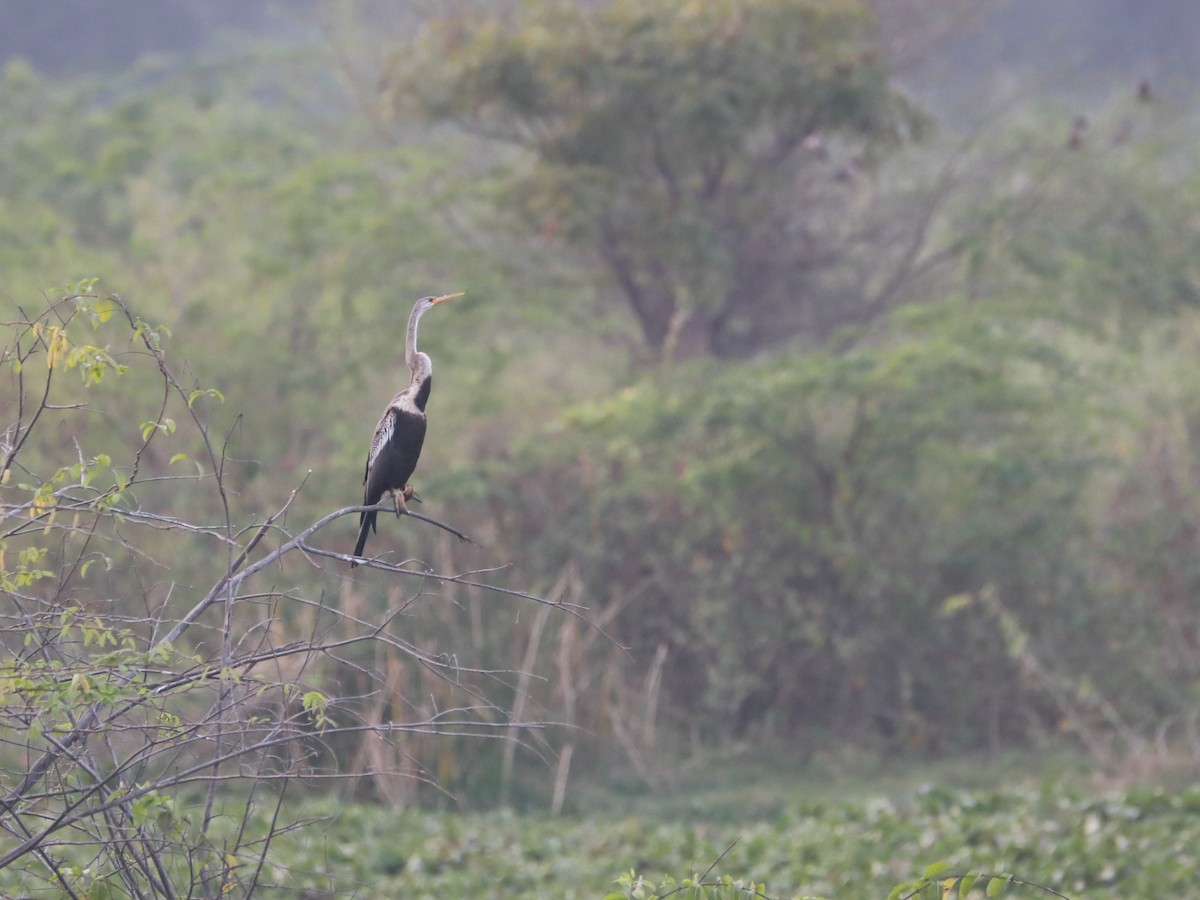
(165, 683)
(706, 153)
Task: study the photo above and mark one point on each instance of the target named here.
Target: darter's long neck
(410, 349)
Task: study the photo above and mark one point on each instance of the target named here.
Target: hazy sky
(1065, 51)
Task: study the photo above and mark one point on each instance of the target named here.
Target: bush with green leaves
(812, 537)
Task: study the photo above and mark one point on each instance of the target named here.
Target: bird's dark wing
(372, 491)
(396, 458)
(383, 434)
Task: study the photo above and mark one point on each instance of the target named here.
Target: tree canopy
(704, 153)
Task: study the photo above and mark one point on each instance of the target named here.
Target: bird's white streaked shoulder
(383, 434)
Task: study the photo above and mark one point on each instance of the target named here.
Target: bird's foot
(410, 493)
(401, 509)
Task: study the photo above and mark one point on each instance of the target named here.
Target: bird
(1079, 130)
(398, 438)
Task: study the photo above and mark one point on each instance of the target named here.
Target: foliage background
(959, 518)
(995, 474)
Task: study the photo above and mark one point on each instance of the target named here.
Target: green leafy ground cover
(1136, 843)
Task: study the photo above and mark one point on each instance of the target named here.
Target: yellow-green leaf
(935, 869)
(205, 392)
(105, 308)
(57, 346)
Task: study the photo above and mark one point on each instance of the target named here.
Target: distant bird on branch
(396, 446)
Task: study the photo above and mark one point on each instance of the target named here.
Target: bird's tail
(367, 524)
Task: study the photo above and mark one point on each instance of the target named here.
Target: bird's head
(418, 362)
(429, 302)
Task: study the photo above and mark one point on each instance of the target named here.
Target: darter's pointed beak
(437, 300)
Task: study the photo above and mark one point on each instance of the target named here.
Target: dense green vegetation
(1136, 844)
(830, 432)
(788, 838)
